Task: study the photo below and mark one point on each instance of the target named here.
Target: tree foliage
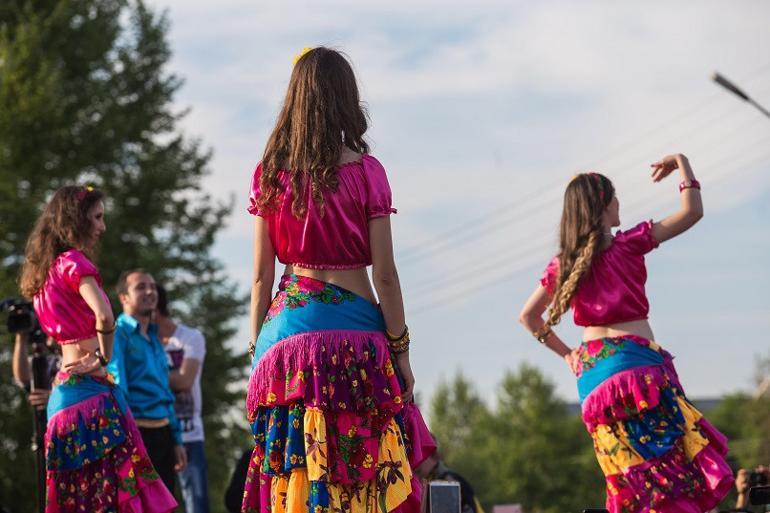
(745, 420)
(85, 97)
(529, 449)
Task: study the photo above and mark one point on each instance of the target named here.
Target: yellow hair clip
(82, 194)
(300, 54)
(573, 178)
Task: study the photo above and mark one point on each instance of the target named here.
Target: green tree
(547, 463)
(457, 411)
(528, 450)
(745, 420)
(460, 421)
(85, 97)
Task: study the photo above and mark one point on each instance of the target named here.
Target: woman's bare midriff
(73, 352)
(640, 327)
(354, 280)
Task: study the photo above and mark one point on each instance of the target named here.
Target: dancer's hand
(180, 457)
(405, 368)
(85, 365)
(573, 361)
(742, 481)
(665, 166)
(39, 398)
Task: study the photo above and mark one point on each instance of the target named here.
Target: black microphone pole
(39, 381)
(719, 79)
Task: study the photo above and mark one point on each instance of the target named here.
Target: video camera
(22, 319)
(757, 478)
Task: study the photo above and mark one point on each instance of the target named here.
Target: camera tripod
(39, 381)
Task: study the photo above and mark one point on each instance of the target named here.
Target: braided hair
(585, 200)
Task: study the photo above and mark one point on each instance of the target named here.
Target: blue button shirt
(140, 368)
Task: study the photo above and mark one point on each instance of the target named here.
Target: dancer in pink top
(95, 459)
(330, 394)
(658, 453)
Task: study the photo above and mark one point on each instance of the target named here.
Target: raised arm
(691, 208)
(531, 317)
(388, 287)
(264, 275)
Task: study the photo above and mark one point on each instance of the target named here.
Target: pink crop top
(61, 310)
(613, 289)
(339, 239)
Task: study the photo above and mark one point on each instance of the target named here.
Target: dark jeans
(194, 479)
(160, 447)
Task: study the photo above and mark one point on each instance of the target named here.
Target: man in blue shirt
(140, 368)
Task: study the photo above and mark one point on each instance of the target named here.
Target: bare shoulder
(348, 156)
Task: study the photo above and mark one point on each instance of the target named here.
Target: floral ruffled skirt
(95, 458)
(324, 404)
(657, 452)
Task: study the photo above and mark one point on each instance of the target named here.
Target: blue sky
(481, 112)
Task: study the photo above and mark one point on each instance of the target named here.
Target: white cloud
(476, 105)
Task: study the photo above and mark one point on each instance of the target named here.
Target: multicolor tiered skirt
(657, 452)
(331, 432)
(96, 461)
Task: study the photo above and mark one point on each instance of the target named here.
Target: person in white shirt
(185, 350)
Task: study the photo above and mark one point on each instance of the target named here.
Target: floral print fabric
(297, 291)
(656, 450)
(293, 475)
(96, 461)
(325, 409)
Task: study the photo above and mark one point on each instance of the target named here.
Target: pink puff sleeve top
(340, 238)
(61, 311)
(612, 291)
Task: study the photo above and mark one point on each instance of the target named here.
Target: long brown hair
(321, 113)
(585, 200)
(62, 225)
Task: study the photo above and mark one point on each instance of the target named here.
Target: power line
(507, 224)
(459, 294)
(645, 200)
(445, 238)
(684, 114)
(504, 221)
(447, 275)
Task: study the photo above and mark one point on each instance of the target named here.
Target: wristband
(107, 331)
(693, 184)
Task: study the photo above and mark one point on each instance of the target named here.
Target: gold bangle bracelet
(399, 346)
(543, 336)
(394, 338)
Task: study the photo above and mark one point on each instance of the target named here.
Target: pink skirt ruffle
(348, 377)
(96, 461)
(658, 453)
